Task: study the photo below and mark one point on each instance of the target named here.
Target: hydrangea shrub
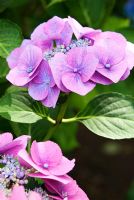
(60, 58)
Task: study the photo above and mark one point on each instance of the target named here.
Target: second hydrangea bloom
(52, 61)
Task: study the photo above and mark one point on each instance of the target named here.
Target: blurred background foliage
(113, 15)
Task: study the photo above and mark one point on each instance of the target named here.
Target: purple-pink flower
(74, 70)
(70, 191)
(114, 58)
(62, 55)
(43, 87)
(47, 158)
(10, 146)
(28, 62)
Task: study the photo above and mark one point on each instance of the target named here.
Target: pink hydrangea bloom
(46, 158)
(10, 146)
(19, 193)
(70, 191)
(74, 70)
(52, 60)
(43, 87)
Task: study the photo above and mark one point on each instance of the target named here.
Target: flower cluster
(64, 56)
(45, 161)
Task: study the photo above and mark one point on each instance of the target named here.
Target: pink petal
(125, 75)
(2, 196)
(12, 59)
(64, 167)
(65, 35)
(74, 83)
(27, 160)
(15, 146)
(83, 59)
(108, 41)
(52, 97)
(80, 31)
(46, 153)
(80, 195)
(54, 27)
(115, 72)
(98, 78)
(58, 67)
(34, 196)
(5, 138)
(76, 26)
(18, 191)
(130, 55)
(18, 77)
(63, 179)
(39, 87)
(40, 38)
(30, 57)
(37, 91)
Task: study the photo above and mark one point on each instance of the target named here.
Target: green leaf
(113, 23)
(90, 12)
(11, 3)
(110, 115)
(53, 2)
(10, 37)
(128, 33)
(65, 136)
(3, 69)
(18, 107)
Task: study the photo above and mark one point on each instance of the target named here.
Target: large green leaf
(110, 115)
(128, 33)
(18, 107)
(10, 37)
(90, 12)
(11, 3)
(113, 23)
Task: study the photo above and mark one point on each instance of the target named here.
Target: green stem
(15, 128)
(73, 119)
(62, 111)
(51, 132)
(59, 118)
(29, 133)
(51, 120)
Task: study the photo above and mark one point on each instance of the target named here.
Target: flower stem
(58, 121)
(73, 119)
(16, 129)
(29, 133)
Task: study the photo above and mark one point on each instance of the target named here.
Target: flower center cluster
(11, 172)
(64, 49)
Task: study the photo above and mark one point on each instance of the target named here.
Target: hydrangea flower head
(62, 55)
